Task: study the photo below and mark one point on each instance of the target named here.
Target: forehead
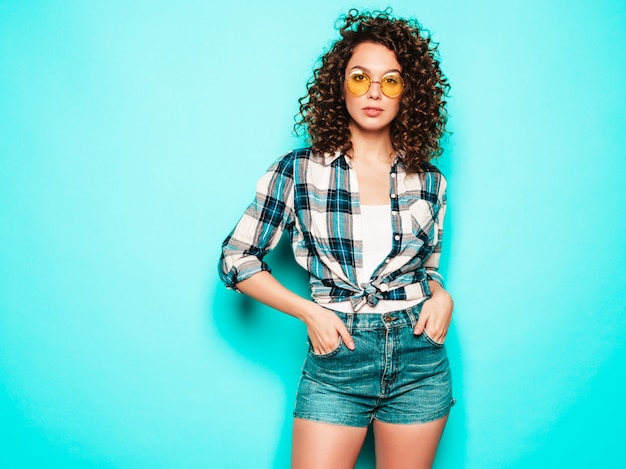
(373, 57)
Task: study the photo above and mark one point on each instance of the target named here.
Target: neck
(371, 146)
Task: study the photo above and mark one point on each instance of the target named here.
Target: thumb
(346, 337)
(421, 323)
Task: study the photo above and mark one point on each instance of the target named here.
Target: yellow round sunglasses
(359, 82)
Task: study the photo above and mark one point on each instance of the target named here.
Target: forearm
(323, 326)
(264, 287)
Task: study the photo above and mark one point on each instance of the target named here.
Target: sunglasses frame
(380, 83)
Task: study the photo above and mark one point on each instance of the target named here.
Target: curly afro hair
(420, 124)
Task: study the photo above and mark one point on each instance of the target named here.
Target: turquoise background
(131, 137)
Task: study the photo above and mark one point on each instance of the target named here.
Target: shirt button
(394, 212)
(383, 287)
(397, 237)
(393, 196)
(387, 261)
(393, 175)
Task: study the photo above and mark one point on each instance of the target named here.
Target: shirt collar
(328, 158)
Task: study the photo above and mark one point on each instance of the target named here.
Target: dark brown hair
(420, 124)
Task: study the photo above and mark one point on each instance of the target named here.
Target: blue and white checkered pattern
(315, 199)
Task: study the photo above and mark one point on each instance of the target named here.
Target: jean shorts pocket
(432, 342)
(332, 353)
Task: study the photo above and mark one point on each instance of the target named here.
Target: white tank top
(377, 235)
(377, 243)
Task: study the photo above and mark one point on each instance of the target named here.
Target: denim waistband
(402, 317)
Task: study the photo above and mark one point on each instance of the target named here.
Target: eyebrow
(365, 69)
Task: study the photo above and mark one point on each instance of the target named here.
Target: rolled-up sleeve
(432, 262)
(260, 228)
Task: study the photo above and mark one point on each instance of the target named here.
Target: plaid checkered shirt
(315, 199)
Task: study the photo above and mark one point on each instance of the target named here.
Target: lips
(372, 111)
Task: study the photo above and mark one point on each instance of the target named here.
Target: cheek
(396, 109)
(349, 101)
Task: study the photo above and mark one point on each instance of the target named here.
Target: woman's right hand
(325, 330)
(323, 325)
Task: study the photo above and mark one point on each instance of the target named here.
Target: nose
(374, 92)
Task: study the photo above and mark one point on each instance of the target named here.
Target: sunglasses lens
(392, 85)
(358, 83)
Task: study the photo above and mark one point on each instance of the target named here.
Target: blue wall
(131, 137)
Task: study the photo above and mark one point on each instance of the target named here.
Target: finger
(346, 337)
(421, 324)
(331, 346)
(324, 347)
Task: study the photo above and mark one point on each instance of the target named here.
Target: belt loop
(411, 315)
(350, 322)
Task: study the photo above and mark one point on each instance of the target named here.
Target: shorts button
(390, 318)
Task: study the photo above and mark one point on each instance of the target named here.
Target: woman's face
(373, 111)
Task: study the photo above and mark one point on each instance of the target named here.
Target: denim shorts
(392, 375)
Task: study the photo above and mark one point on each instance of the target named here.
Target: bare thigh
(325, 445)
(407, 446)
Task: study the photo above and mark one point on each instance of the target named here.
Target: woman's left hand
(436, 314)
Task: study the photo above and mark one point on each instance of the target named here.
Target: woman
(364, 211)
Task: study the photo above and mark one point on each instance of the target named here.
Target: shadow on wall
(277, 342)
